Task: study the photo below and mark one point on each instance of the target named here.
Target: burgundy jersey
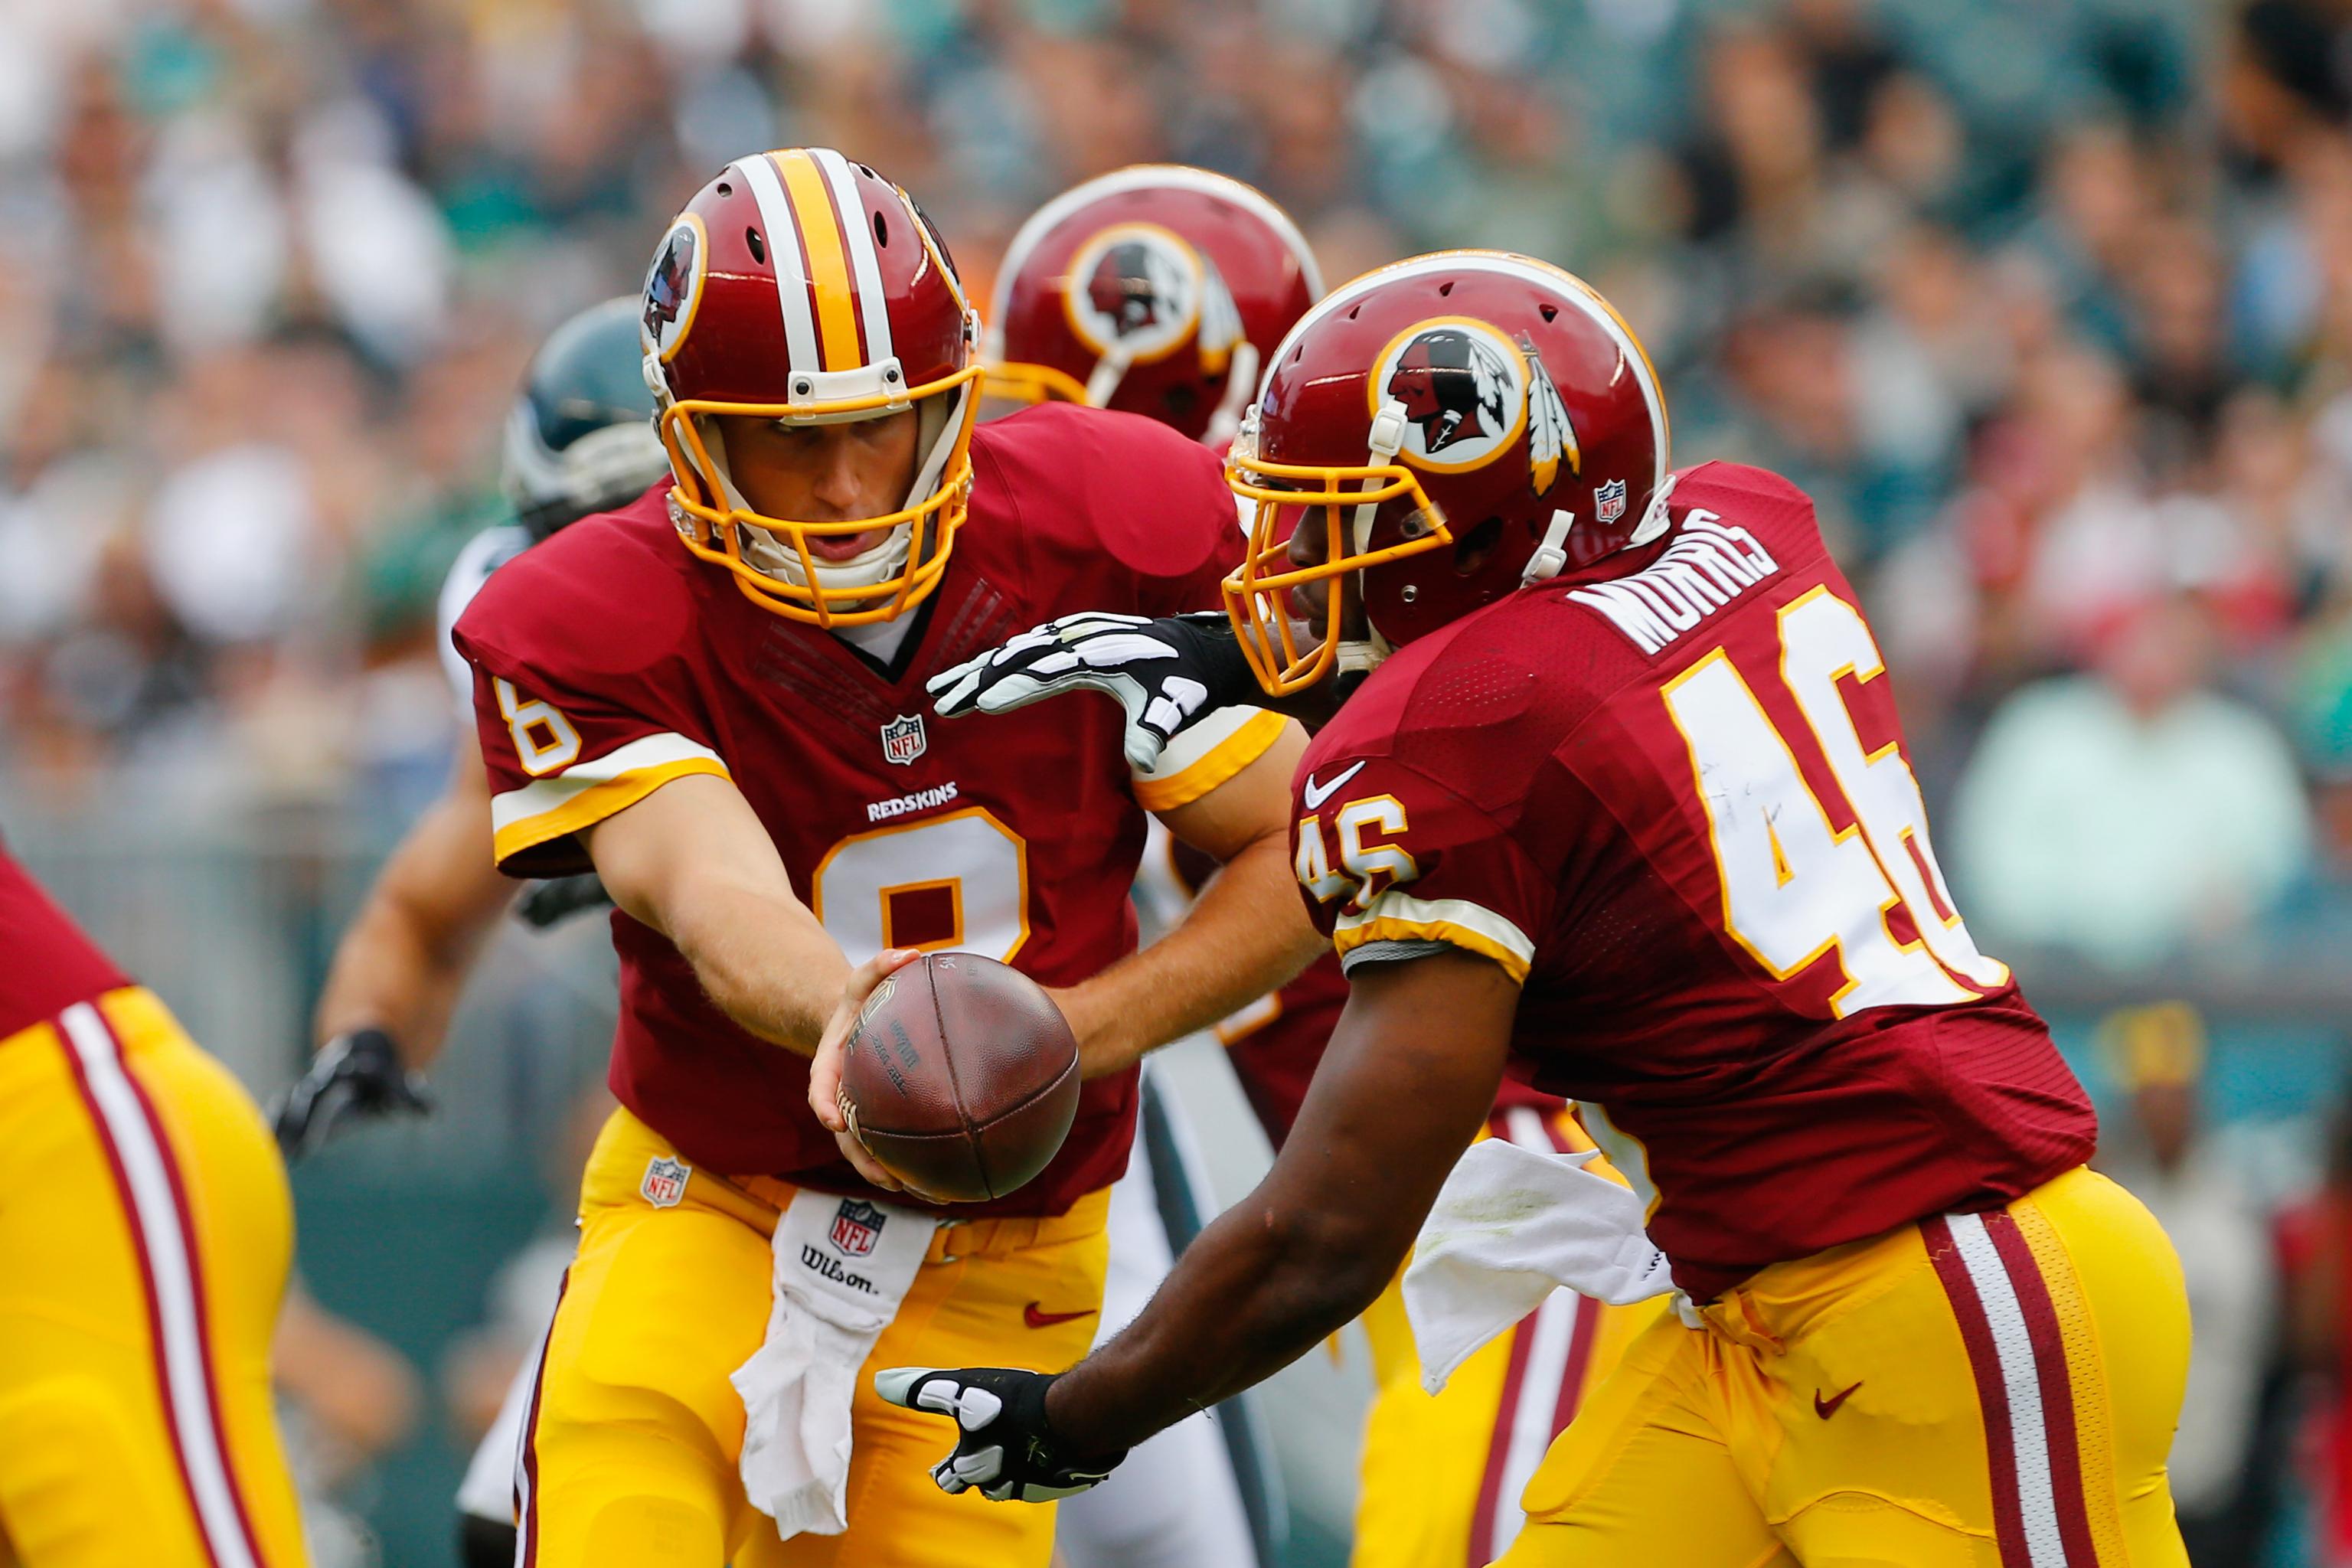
(1276, 1042)
(1672, 801)
(46, 964)
(609, 661)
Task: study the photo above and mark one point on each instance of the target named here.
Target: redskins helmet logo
(674, 287)
(1137, 292)
(1467, 392)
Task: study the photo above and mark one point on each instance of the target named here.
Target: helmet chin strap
(1551, 555)
(1109, 371)
(1360, 657)
(1654, 516)
(1241, 382)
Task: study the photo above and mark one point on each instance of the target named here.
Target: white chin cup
(877, 563)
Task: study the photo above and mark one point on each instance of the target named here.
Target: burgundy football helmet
(1156, 290)
(1458, 424)
(804, 288)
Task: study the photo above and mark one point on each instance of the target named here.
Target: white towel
(1509, 1227)
(843, 1265)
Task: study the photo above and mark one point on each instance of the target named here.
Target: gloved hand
(356, 1074)
(558, 899)
(1005, 1446)
(1166, 673)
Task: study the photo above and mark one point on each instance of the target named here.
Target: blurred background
(2048, 302)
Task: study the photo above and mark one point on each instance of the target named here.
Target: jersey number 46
(1797, 888)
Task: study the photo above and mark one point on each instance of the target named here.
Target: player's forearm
(1254, 1292)
(405, 958)
(764, 961)
(1410, 1073)
(1246, 934)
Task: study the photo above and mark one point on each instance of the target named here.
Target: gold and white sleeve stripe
(587, 793)
(1204, 756)
(1397, 916)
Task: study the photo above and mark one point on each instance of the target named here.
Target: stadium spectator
(2128, 813)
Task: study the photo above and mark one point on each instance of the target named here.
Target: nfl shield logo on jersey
(665, 1182)
(1609, 501)
(856, 1226)
(902, 739)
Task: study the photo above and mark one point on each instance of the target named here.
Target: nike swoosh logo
(1316, 795)
(1041, 1320)
(1825, 1408)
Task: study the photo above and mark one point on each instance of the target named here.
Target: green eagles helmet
(581, 438)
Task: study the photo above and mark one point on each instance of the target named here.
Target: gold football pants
(144, 1235)
(1442, 1473)
(1977, 1391)
(630, 1455)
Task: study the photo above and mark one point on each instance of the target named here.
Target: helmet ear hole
(881, 231)
(759, 246)
(1472, 552)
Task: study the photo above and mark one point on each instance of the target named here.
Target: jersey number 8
(957, 882)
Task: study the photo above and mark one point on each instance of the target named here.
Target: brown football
(962, 1077)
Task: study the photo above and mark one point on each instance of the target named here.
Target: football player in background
(713, 699)
(143, 1248)
(580, 439)
(1158, 289)
(1617, 799)
(1161, 290)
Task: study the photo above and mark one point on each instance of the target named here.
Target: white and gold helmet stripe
(784, 255)
(865, 260)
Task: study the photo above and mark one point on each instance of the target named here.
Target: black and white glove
(1004, 1448)
(557, 900)
(354, 1075)
(1166, 673)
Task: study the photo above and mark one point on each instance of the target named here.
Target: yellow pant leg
(632, 1441)
(1978, 1390)
(1645, 1477)
(968, 1312)
(632, 1451)
(1442, 1473)
(1983, 1391)
(146, 1228)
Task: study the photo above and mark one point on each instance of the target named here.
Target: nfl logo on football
(902, 738)
(665, 1182)
(1608, 500)
(856, 1226)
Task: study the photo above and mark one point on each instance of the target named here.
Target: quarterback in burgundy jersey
(1617, 802)
(713, 698)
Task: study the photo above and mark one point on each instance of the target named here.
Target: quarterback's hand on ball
(1166, 673)
(825, 1094)
(1004, 1448)
(354, 1075)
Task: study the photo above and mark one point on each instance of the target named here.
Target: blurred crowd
(2048, 302)
(2050, 305)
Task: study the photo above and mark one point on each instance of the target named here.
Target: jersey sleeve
(1394, 865)
(1200, 759)
(570, 741)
